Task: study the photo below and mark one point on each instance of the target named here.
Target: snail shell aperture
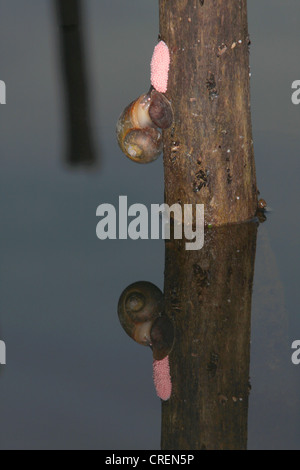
(138, 128)
(162, 337)
(140, 311)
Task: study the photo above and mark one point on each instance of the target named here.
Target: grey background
(73, 378)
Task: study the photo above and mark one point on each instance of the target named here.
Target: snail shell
(162, 337)
(140, 311)
(138, 128)
(139, 306)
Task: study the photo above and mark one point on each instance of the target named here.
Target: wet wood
(208, 154)
(208, 296)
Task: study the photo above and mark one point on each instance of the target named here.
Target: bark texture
(208, 153)
(208, 296)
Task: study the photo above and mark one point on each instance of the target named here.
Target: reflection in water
(208, 296)
(141, 314)
(274, 401)
(80, 143)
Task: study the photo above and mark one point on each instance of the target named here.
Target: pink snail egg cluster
(160, 66)
(162, 378)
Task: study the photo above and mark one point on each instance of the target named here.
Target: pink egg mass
(162, 378)
(160, 66)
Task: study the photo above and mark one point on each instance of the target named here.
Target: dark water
(73, 379)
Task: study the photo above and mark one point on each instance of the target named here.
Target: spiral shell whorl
(138, 128)
(139, 306)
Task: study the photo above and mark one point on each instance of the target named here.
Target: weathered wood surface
(208, 295)
(208, 154)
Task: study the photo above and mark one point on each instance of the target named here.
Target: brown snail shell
(140, 311)
(138, 128)
(139, 306)
(162, 337)
(160, 110)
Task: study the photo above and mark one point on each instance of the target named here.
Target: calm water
(73, 379)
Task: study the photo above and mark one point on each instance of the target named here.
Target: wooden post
(208, 154)
(80, 148)
(209, 159)
(208, 296)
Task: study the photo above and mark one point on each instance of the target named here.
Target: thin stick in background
(80, 148)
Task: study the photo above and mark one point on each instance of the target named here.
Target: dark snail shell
(138, 128)
(141, 315)
(160, 110)
(162, 337)
(139, 306)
